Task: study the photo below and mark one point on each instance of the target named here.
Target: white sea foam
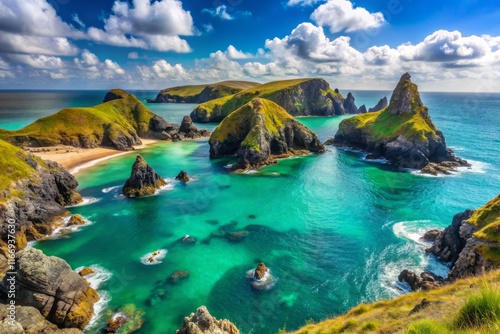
(86, 201)
(411, 230)
(265, 283)
(157, 259)
(477, 167)
(58, 231)
(99, 307)
(98, 278)
(250, 171)
(110, 189)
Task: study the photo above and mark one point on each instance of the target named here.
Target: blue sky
(153, 44)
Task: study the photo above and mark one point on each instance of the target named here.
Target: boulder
(259, 132)
(426, 281)
(143, 180)
(431, 235)
(50, 285)
(182, 176)
(260, 271)
(202, 322)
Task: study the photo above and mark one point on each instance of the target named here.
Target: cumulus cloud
(56, 46)
(445, 45)
(92, 67)
(234, 53)
(341, 15)
(146, 25)
(38, 62)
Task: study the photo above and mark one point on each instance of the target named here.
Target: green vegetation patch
(480, 309)
(224, 88)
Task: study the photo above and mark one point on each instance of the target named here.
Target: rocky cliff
(120, 122)
(301, 97)
(50, 285)
(201, 93)
(33, 193)
(472, 242)
(403, 133)
(143, 180)
(260, 131)
(202, 322)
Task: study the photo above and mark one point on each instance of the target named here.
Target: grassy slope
(225, 105)
(487, 219)
(127, 115)
(384, 126)
(274, 118)
(14, 168)
(393, 316)
(192, 90)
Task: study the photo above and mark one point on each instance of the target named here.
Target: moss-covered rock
(119, 122)
(143, 180)
(259, 131)
(403, 133)
(201, 93)
(299, 97)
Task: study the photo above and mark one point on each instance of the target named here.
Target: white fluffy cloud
(234, 53)
(52, 46)
(220, 12)
(302, 2)
(91, 66)
(149, 25)
(341, 15)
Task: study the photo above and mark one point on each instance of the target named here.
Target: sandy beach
(76, 159)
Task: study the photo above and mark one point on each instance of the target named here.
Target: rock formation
(260, 271)
(178, 277)
(29, 320)
(35, 193)
(431, 235)
(182, 176)
(382, 104)
(202, 322)
(50, 285)
(349, 105)
(259, 132)
(403, 133)
(426, 281)
(362, 110)
(143, 180)
(301, 97)
(201, 93)
(189, 130)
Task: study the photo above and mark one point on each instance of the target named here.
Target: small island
(402, 133)
(259, 132)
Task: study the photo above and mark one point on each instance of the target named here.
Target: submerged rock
(127, 319)
(259, 132)
(182, 176)
(202, 322)
(178, 277)
(402, 133)
(50, 285)
(143, 180)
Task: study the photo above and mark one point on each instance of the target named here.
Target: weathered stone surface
(431, 235)
(50, 285)
(29, 321)
(260, 271)
(426, 281)
(202, 322)
(143, 180)
(349, 105)
(380, 105)
(189, 130)
(76, 220)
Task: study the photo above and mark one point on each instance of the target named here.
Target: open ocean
(334, 229)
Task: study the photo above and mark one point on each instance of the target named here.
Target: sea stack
(189, 130)
(259, 132)
(402, 133)
(382, 104)
(143, 180)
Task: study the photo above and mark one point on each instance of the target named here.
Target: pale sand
(75, 159)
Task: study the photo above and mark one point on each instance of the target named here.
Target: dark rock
(202, 322)
(189, 130)
(178, 277)
(115, 323)
(143, 180)
(362, 110)
(50, 285)
(236, 236)
(252, 216)
(260, 271)
(382, 104)
(182, 176)
(127, 319)
(349, 105)
(426, 281)
(423, 304)
(431, 235)
(212, 221)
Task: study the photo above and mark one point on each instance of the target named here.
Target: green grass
(218, 109)
(427, 327)
(123, 116)
(480, 309)
(487, 220)
(223, 87)
(14, 168)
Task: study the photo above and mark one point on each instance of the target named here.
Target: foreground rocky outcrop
(471, 244)
(33, 194)
(50, 285)
(201, 93)
(202, 322)
(120, 122)
(29, 321)
(143, 180)
(402, 133)
(260, 132)
(300, 97)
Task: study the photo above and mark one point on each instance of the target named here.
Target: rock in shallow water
(143, 180)
(202, 322)
(182, 176)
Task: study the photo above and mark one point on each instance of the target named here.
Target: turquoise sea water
(334, 229)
